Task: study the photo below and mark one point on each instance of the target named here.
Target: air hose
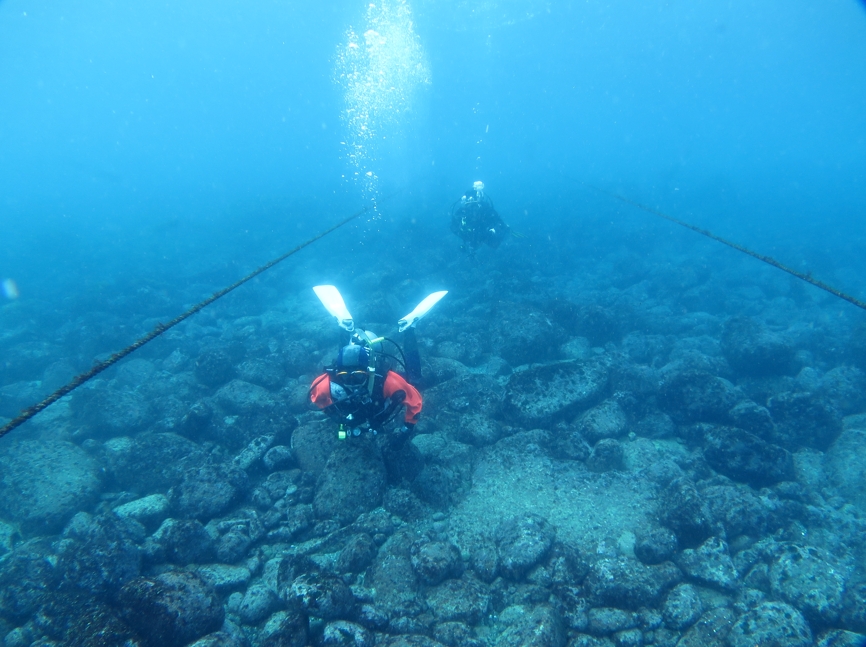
(740, 248)
(161, 328)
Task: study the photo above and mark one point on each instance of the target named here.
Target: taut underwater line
(161, 328)
(745, 250)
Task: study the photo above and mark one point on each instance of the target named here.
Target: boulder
(43, 483)
(744, 457)
(523, 542)
(698, 396)
(771, 624)
(845, 464)
(541, 395)
(352, 482)
(171, 609)
(710, 564)
(208, 491)
(808, 578)
(628, 584)
(753, 350)
(804, 419)
(464, 600)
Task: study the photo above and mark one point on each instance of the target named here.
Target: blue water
(144, 146)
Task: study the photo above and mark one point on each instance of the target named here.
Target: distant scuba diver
(475, 221)
(360, 391)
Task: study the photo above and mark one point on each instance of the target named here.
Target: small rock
(278, 458)
(459, 600)
(522, 543)
(253, 452)
(655, 546)
(352, 482)
(223, 577)
(148, 510)
(323, 596)
(604, 621)
(257, 604)
(181, 542)
(284, 629)
(711, 565)
(541, 395)
(435, 561)
(682, 607)
(710, 630)
(342, 633)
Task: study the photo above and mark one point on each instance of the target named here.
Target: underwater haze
(633, 432)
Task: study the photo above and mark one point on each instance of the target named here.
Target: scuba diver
(361, 391)
(475, 221)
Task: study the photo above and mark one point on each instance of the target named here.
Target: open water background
(147, 148)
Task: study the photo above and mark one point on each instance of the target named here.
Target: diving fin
(420, 310)
(333, 301)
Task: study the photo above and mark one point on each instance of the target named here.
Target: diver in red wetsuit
(362, 393)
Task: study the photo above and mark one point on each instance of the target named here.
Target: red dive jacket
(320, 394)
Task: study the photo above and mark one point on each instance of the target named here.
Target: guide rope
(161, 328)
(761, 257)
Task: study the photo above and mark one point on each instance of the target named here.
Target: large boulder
(352, 482)
(540, 395)
(771, 624)
(171, 609)
(629, 584)
(754, 350)
(523, 542)
(521, 334)
(845, 463)
(804, 419)
(698, 396)
(43, 483)
(150, 462)
(208, 491)
(810, 579)
(744, 457)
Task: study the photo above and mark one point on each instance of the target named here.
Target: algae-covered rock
(540, 395)
(523, 542)
(744, 457)
(209, 490)
(804, 420)
(808, 578)
(43, 483)
(710, 564)
(845, 464)
(753, 349)
(629, 584)
(698, 396)
(464, 600)
(771, 624)
(542, 627)
(171, 609)
(352, 482)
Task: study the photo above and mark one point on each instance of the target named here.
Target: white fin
(420, 310)
(333, 301)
